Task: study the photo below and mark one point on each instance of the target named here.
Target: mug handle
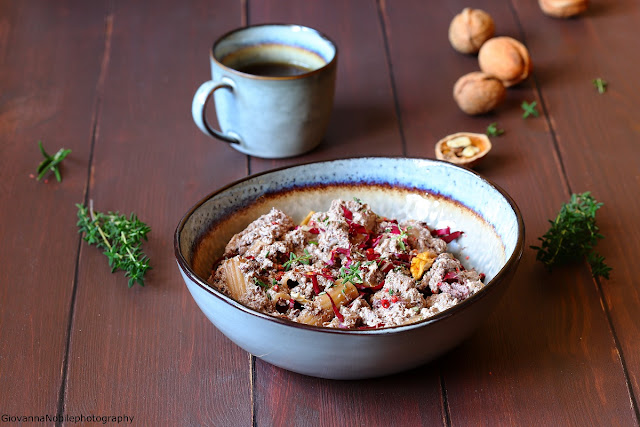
(199, 107)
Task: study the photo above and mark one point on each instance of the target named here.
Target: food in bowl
(438, 193)
(346, 268)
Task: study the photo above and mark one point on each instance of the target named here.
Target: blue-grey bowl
(436, 192)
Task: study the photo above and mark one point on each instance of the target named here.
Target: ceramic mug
(272, 87)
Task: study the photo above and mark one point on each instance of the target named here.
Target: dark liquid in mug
(273, 69)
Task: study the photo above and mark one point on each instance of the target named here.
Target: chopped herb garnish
(493, 130)
(529, 109)
(351, 274)
(601, 85)
(51, 163)
(261, 283)
(400, 237)
(293, 259)
(312, 242)
(355, 199)
(573, 235)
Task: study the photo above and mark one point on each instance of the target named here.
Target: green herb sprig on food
(351, 274)
(573, 235)
(293, 259)
(120, 237)
(51, 163)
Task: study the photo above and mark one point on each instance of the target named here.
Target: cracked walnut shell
(463, 148)
(507, 59)
(470, 29)
(478, 93)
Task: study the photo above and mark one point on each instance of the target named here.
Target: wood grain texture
(597, 136)
(114, 81)
(363, 121)
(568, 363)
(149, 352)
(46, 93)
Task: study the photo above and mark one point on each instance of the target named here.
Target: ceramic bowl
(439, 193)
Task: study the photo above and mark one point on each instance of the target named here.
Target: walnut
(506, 59)
(463, 148)
(478, 93)
(470, 29)
(563, 8)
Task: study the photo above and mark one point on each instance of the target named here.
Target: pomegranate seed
(394, 299)
(384, 303)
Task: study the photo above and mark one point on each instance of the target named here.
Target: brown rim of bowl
(272, 78)
(514, 258)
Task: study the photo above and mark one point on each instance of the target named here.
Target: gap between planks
(97, 108)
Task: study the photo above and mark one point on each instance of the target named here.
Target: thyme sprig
(120, 237)
(351, 274)
(51, 163)
(294, 259)
(573, 235)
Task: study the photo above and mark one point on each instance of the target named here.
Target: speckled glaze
(437, 192)
(270, 117)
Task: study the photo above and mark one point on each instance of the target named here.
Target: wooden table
(113, 81)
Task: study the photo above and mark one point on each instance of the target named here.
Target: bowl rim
(487, 290)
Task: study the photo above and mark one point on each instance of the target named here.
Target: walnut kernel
(470, 29)
(505, 58)
(478, 93)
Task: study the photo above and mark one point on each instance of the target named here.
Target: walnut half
(463, 148)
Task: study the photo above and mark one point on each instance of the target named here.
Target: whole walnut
(470, 29)
(563, 8)
(505, 58)
(478, 93)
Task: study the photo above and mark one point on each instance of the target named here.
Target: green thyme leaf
(351, 274)
(293, 260)
(529, 109)
(493, 130)
(600, 84)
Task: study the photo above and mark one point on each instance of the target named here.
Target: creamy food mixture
(344, 268)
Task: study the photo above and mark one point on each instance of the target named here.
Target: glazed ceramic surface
(439, 193)
(270, 117)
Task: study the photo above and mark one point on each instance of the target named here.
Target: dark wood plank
(598, 138)
(49, 65)
(547, 353)
(364, 121)
(149, 352)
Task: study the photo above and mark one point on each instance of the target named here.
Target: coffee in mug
(273, 88)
